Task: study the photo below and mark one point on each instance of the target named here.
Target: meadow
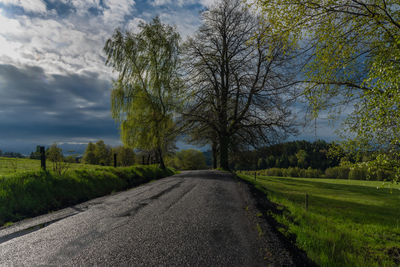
(17, 165)
(347, 223)
(26, 191)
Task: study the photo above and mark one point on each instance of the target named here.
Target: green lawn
(13, 165)
(348, 222)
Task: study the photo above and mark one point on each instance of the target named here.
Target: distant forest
(302, 154)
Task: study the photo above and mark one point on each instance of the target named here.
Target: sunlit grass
(348, 222)
(17, 165)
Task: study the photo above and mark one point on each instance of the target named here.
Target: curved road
(196, 218)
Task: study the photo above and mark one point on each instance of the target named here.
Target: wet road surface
(196, 218)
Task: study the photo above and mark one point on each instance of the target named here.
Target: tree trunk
(224, 152)
(214, 154)
(160, 157)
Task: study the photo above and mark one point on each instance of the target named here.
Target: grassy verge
(348, 223)
(32, 193)
(14, 165)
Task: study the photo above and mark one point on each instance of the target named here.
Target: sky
(54, 85)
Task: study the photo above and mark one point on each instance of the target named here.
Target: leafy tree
(144, 97)
(271, 161)
(354, 57)
(236, 89)
(302, 159)
(55, 155)
(89, 156)
(102, 153)
(190, 159)
(262, 164)
(125, 156)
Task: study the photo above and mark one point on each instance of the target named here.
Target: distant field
(348, 222)
(12, 165)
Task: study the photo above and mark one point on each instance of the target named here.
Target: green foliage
(355, 58)
(55, 155)
(348, 222)
(33, 193)
(262, 164)
(301, 154)
(125, 156)
(146, 93)
(90, 156)
(189, 159)
(102, 153)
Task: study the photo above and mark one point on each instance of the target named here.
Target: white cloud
(36, 6)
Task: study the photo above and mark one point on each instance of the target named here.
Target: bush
(358, 174)
(339, 172)
(274, 172)
(33, 193)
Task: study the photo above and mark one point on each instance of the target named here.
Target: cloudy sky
(54, 85)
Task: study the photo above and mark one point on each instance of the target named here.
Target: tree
(102, 153)
(90, 157)
(262, 164)
(55, 155)
(125, 156)
(144, 97)
(236, 89)
(190, 159)
(302, 158)
(354, 57)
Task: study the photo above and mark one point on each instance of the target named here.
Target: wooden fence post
(42, 158)
(115, 160)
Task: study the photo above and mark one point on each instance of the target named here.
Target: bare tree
(237, 81)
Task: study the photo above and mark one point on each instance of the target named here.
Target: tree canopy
(352, 55)
(236, 82)
(144, 97)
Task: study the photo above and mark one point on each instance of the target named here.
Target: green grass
(348, 222)
(15, 165)
(30, 193)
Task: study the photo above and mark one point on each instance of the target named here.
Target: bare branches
(236, 81)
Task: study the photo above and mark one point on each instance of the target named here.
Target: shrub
(358, 174)
(339, 172)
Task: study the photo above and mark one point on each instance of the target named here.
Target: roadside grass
(348, 222)
(32, 193)
(17, 165)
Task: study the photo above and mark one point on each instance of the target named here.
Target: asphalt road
(196, 218)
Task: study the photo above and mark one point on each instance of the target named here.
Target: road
(196, 218)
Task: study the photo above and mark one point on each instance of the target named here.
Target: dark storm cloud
(35, 106)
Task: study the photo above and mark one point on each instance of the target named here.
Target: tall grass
(32, 193)
(348, 223)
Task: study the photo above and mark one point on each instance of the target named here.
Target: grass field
(13, 165)
(348, 222)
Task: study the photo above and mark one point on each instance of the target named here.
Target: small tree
(55, 155)
(90, 157)
(102, 153)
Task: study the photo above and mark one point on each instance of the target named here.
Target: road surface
(196, 218)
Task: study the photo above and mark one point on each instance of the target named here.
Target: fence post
(255, 176)
(115, 160)
(42, 158)
(306, 202)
